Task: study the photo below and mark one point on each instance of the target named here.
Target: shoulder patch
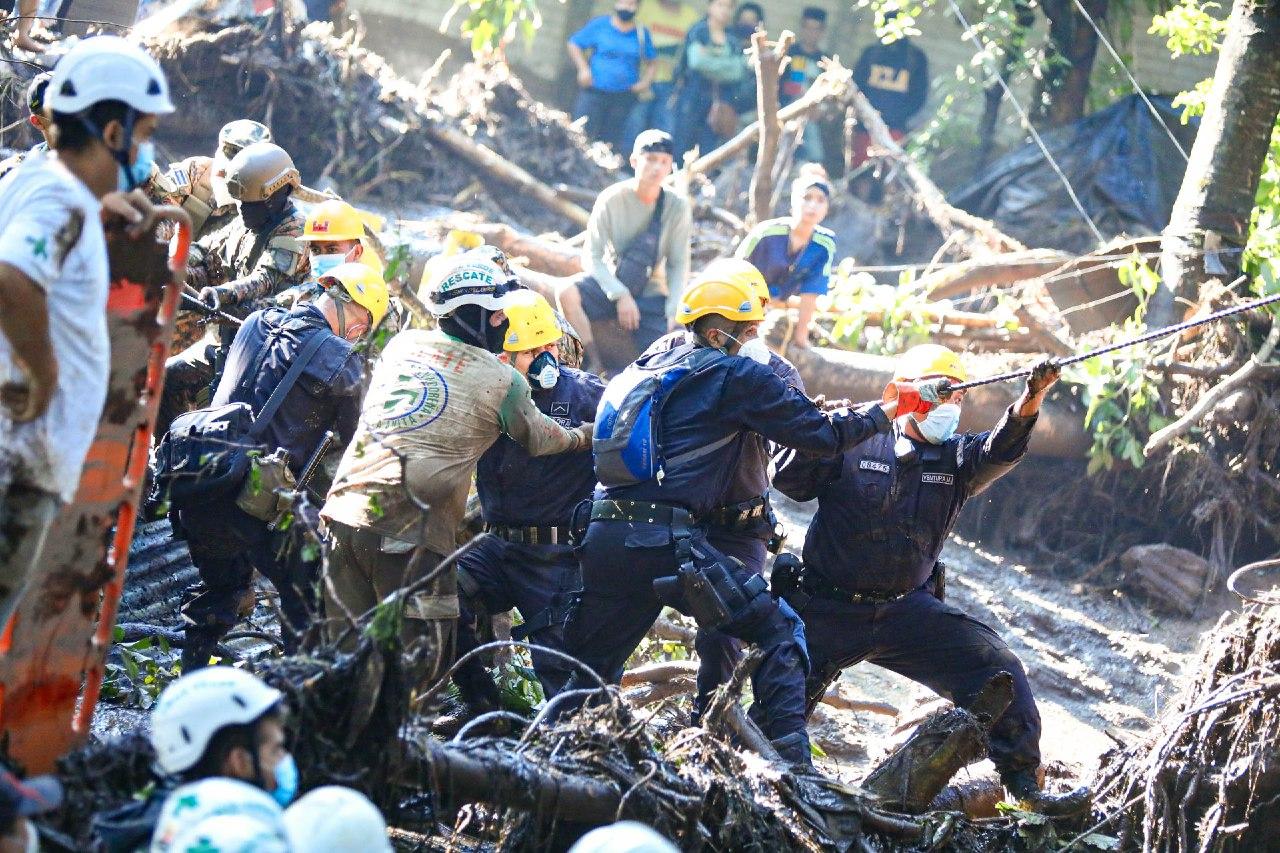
(939, 479)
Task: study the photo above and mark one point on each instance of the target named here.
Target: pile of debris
(1208, 778)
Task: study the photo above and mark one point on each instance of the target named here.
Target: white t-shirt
(51, 229)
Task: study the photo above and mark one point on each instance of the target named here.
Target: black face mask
(258, 215)
(743, 31)
(625, 15)
(470, 323)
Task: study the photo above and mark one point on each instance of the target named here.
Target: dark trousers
(718, 652)
(607, 114)
(620, 561)
(227, 544)
(534, 579)
(930, 642)
(614, 345)
(691, 126)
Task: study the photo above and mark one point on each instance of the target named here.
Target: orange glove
(909, 400)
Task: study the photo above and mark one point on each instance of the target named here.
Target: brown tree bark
(1024, 19)
(770, 60)
(1217, 196)
(1068, 64)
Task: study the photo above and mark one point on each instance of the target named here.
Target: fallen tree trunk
(543, 256)
(490, 164)
(986, 237)
(838, 374)
(983, 272)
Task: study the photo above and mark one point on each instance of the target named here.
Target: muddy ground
(1098, 661)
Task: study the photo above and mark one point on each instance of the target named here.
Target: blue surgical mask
(940, 424)
(141, 168)
(322, 265)
(545, 371)
(286, 781)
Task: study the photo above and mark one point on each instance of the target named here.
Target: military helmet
(238, 135)
(259, 171)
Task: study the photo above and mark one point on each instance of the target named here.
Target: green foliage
(1122, 395)
(493, 24)
(518, 685)
(385, 626)
(138, 678)
(1189, 28)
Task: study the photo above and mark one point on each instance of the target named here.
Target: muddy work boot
(1024, 789)
(794, 749)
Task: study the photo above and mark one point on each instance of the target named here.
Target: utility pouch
(266, 492)
(787, 575)
(636, 262)
(579, 521)
(778, 533)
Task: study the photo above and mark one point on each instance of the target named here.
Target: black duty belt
(640, 512)
(737, 515)
(530, 535)
(819, 588)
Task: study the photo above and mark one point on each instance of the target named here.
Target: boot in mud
(794, 749)
(1024, 789)
(197, 648)
(477, 694)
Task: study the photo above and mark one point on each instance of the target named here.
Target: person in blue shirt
(614, 58)
(647, 533)
(524, 559)
(795, 254)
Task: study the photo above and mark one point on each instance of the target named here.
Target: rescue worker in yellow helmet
(525, 559)
(437, 401)
(744, 526)
(872, 588)
(335, 234)
(229, 537)
(669, 432)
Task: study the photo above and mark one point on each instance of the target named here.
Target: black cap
(35, 92)
(27, 797)
(654, 140)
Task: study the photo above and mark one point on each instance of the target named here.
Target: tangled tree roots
(1209, 779)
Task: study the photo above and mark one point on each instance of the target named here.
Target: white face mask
(940, 424)
(756, 350)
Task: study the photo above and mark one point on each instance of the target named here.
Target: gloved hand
(211, 298)
(910, 401)
(1043, 375)
(934, 390)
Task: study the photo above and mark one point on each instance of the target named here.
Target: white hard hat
(470, 278)
(193, 708)
(334, 819)
(626, 836)
(189, 807)
(108, 68)
(230, 834)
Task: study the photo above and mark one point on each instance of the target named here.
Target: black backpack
(207, 454)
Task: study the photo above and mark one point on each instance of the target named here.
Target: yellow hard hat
(333, 220)
(928, 360)
(371, 260)
(532, 323)
(739, 270)
(730, 297)
(364, 286)
(458, 240)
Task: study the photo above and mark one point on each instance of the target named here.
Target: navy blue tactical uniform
(525, 560)
(741, 527)
(226, 543)
(638, 532)
(885, 509)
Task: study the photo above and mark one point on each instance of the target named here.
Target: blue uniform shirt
(615, 55)
(885, 508)
(326, 396)
(519, 490)
(768, 249)
(736, 395)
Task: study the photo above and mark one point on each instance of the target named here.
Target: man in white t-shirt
(104, 98)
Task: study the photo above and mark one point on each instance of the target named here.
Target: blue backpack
(626, 440)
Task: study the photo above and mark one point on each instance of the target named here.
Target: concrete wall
(407, 33)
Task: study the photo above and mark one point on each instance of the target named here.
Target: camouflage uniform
(248, 270)
(186, 184)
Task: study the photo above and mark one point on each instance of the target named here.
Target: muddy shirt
(441, 404)
(51, 230)
(248, 268)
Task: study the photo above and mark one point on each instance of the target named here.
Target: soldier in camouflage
(240, 268)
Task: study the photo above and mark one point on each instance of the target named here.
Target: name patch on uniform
(942, 479)
(872, 465)
(560, 409)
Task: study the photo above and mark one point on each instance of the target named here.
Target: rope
(1136, 87)
(970, 35)
(1142, 339)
